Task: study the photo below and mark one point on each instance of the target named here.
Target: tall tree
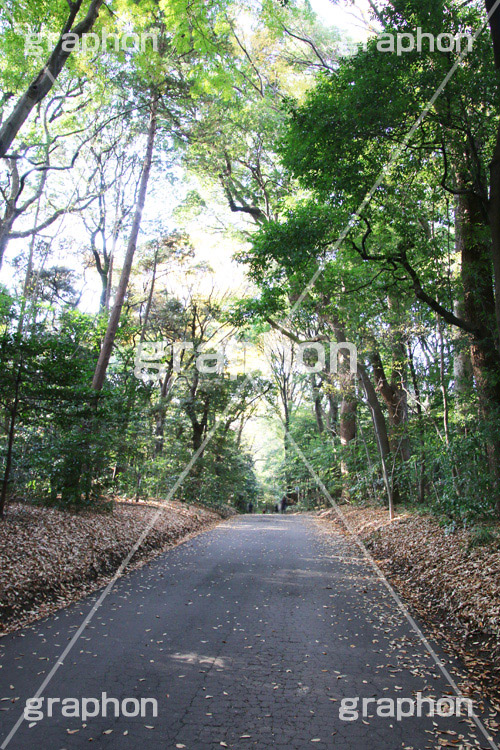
(114, 318)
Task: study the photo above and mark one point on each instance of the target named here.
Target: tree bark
(114, 318)
(160, 414)
(494, 197)
(479, 308)
(378, 418)
(10, 442)
(421, 474)
(395, 398)
(494, 20)
(43, 83)
(381, 433)
(149, 302)
(348, 413)
(494, 221)
(462, 366)
(318, 408)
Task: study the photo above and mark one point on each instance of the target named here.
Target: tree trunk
(381, 434)
(421, 473)
(149, 302)
(348, 410)
(161, 412)
(348, 420)
(479, 308)
(378, 418)
(46, 78)
(462, 366)
(10, 443)
(198, 433)
(114, 318)
(494, 197)
(396, 400)
(318, 408)
(332, 415)
(494, 19)
(109, 283)
(494, 220)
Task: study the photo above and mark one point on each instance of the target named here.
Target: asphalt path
(251, 635)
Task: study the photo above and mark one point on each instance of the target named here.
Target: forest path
(248, 636)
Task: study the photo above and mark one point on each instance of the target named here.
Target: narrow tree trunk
(161, 412)
(494, 220)
(348, 409)
(378, 418)
(114, 318)
(347, 427)
(10, 444)
(381, 434)
(395, 398)
(332, 414)
(4, 238)
(494, 202)
(462, 366)
(442, 384)
(9, 215)
(198, 433)
(109, 282)
(318, 408)
(421, 474)
(368, 461)
(149, 302)
(104, 289)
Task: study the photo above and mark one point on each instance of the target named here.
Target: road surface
(247, 636)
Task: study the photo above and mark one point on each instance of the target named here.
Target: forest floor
(50, 558)
(451, 585)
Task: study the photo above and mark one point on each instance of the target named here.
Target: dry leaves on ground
(454, 588)
(49, 558)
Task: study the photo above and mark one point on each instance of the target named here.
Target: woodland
(241, 173)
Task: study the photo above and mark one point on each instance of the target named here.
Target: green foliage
(482, 537)
(295, 155)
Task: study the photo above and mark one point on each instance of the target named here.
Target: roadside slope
(50, 558)
(452, 585)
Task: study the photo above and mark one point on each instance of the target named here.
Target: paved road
(248, 636)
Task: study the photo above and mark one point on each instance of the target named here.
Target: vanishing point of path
(248, 636)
